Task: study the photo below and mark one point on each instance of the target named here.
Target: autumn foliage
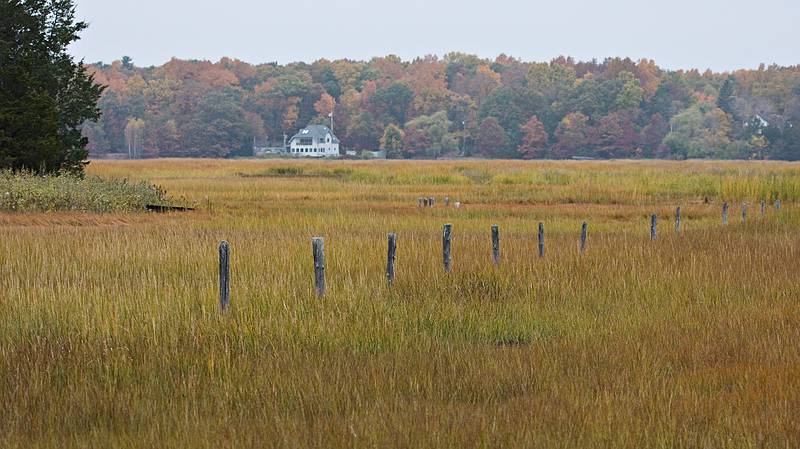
(456, 105)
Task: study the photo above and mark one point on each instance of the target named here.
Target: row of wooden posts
(318, 250)
(431, 202)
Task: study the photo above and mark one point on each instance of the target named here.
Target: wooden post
(777, 205)
(317, 245)
(725, 213)
(653, 226)
(678, 220)
(584, 230)
(224, 275)
(446, 240)
(763, 208)
(744, 212)
(496, 244)
(390, 258)
(541, 239)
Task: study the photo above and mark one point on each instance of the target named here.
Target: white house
(314, 141)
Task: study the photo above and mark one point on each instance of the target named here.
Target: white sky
(717, 34)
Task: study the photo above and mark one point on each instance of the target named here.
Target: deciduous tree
(392, 141)
(429, 135)
(492, 139)
(571, 136)
(534, 139)
(324, 106)
(702, 131)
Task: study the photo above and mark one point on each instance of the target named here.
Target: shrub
(25, 191)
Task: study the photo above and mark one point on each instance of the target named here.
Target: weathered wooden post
(317, 245)
(678, 220)
(725, 213)
(584, 229)
(744, 212)
(496, 244)
(447, 234)
(653, 226)
(777, 205)
(763, 208)
(390, 258)
(224, 275)
(541, 239)
(446, 201)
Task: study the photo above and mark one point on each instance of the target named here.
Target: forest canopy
(459, 104)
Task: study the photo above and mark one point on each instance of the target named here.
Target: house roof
(315, 131)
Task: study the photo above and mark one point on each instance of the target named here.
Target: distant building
(756, 124)
(314, 141)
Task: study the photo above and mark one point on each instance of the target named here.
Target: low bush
(24, 191)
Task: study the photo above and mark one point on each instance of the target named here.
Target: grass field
(111, 334)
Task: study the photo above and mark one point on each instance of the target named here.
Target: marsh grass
(27, 192)
(110, 334)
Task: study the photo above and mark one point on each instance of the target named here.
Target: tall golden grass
(111, 335)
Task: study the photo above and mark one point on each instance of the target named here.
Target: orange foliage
(324, 105)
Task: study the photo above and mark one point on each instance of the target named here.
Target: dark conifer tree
(45, 96)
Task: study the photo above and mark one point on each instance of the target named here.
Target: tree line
(456, 105)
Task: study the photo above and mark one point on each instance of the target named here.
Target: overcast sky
(717, 34)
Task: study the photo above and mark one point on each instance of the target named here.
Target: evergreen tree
(45, 96)
(726, 96)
